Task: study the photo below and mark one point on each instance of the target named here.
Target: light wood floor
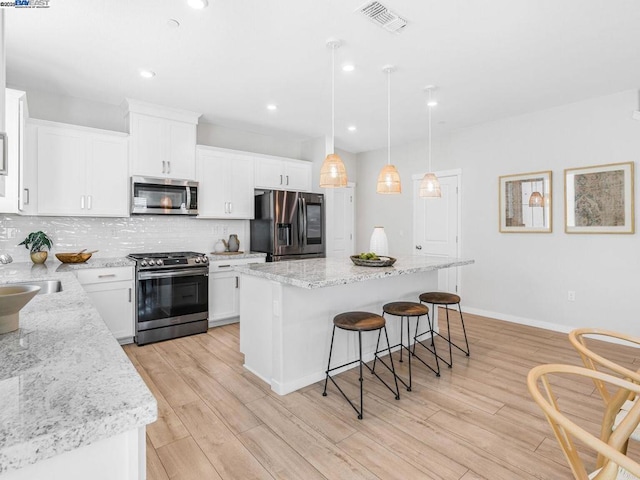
(216, 420)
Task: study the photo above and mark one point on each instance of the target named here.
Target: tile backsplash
(116, 237)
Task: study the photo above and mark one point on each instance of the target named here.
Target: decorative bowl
(73, 257)
(12, 299)
(380, 262)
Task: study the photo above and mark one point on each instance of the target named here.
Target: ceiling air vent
(382, 16)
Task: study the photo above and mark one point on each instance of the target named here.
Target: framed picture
(599, 199)
(3, 154)
(525, 203)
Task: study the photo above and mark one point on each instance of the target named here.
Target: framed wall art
(525, 203)
(599, 199)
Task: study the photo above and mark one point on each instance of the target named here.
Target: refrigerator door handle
(300, 223)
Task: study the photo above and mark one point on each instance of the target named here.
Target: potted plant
(37, 242)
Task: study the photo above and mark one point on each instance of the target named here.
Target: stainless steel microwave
(163, 196)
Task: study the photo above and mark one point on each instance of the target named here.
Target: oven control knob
(159, 262)
(205, 259)
(143, 263)
(152, 263)
(197, 259)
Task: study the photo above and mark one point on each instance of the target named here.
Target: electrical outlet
(571, 296)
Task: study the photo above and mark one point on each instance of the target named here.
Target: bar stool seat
(445, 299)
(360, 322)
(407, 310)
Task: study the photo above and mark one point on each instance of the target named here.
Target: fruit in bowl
(368, 256)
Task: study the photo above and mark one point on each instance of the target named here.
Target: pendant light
(389, 178)
(430, 185)
(536, 199)
(333, 173)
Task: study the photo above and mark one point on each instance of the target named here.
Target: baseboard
(556, 327)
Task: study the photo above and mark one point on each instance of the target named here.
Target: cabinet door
(61, 172)
(114, 302)
(213, 175)
(224, 295)
(148, 146)
(241, 191)
(107, 176)
(181, 146)
(297, 175)
(269, 173)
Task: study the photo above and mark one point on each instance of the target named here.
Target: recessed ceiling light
(352, 128)
(147, 74)
(173, 23)
(348, 67)
(272, 107)
(197, 4)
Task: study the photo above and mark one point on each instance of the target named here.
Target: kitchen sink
(46, 286)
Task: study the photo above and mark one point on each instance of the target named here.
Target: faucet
(5, 258)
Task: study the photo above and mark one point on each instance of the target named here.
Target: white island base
(285, 330)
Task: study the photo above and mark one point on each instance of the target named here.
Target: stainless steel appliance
(172, 295)
(288, 225)
(163, 196)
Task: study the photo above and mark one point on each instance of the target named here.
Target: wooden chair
(615, 464)
(594, 361)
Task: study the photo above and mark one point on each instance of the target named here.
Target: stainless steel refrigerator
(288, 225)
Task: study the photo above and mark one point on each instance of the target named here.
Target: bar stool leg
(464, 331)
(408, 350)
(375, 355)
(324, 394)
(450, 364)
(433, 346)
(393, 369)
(361, 414)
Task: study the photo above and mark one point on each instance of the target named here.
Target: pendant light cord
(389, 117)
(429, 107)
(333, 98)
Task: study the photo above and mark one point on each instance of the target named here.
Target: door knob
(418, 247)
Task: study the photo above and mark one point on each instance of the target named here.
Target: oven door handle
(187, 272)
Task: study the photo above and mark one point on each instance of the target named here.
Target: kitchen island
(72, 406)
(287, 310)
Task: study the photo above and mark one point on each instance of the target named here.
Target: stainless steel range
(172, 295)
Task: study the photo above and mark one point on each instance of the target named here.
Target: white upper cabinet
(282, 174)
(10, 185)
(81, 171)
(163, 140)
(225, 183)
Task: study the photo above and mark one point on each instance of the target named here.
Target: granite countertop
(64, 380)
(225, 257)
(327, 272)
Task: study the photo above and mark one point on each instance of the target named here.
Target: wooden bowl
(73, 257)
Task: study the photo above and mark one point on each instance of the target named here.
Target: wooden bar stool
(407, 310)
(360, 322)
(445, 299)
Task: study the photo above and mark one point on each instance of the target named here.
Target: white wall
(3, 76)
(218, 136)
(526, 277)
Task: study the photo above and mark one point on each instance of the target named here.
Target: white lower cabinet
(112, 293)
(224, 290)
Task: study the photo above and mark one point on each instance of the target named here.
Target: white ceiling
(491, 59)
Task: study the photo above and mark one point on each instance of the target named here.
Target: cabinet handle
(82, 202)
(280, 179)
(287, 179)
(237, 282)
(88, 202)
(26, 196)
(168, 166)
(418, 247)
(230, 207)
(226, 207)
(107, 275)
(129, 295)
(224, 266)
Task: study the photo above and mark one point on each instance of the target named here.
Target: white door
(435, 226)
(340, 217)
